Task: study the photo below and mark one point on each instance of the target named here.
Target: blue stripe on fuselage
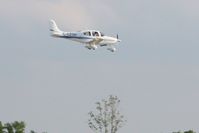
(76, 37)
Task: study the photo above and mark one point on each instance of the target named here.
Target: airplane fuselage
(80, 37)
(92, 38)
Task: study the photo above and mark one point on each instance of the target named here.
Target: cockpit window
(102, 34)
(87, 33)
(95, 33)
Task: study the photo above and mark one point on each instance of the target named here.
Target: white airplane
(91, 38)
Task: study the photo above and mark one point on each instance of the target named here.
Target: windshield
(102, 34)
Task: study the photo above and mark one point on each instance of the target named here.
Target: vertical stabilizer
(54, 29)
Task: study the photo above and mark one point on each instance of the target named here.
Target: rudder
(53, 26)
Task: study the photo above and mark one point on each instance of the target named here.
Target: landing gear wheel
(111, 49)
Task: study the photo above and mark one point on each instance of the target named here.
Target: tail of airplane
(55, 30)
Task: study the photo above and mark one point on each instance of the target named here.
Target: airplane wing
(96, 41)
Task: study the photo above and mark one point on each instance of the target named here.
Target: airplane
(90, 38)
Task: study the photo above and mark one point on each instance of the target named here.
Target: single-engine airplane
(91, 38)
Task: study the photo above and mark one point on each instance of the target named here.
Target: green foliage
(14, 127)
(9, 128)
(107, 117)
(1, 128)
(32, 131)
(19, 127)
(189, 131)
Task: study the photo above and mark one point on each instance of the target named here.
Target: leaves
(189, 131)
(107, 117)
(19, 127)
(14, 127)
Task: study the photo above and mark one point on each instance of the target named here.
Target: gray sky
(52, 84)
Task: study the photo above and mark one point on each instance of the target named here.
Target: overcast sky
(52, 84)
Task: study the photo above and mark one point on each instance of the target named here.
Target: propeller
(118, 38)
